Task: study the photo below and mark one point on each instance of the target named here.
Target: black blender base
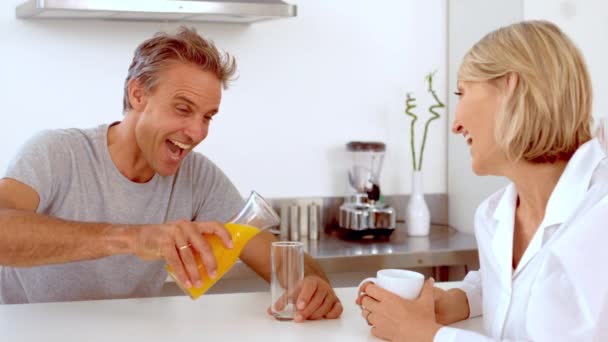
(367, 234)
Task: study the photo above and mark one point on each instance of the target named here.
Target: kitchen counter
(444, 247)
(445, 254)
(225, 317)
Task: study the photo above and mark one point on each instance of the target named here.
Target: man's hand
(315, 300)
(178, 242)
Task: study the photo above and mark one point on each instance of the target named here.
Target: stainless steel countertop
(444, 246)
(441, 239)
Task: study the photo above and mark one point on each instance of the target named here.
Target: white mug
(405, 284)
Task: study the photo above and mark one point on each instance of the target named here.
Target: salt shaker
(303, 224)
(284, 227)
(313, 221)
(294, 222)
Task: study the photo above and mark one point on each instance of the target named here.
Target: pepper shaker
(294, 222)
(313, 221)
(284, 227)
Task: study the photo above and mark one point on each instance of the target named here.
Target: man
(97, 213)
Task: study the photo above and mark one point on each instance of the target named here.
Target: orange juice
(225, 258)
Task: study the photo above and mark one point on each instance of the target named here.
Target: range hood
(234, 11)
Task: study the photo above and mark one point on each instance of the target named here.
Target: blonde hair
(548, 116)
(184, 46)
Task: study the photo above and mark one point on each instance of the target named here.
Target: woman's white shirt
(559, 291)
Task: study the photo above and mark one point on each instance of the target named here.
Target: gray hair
(185, 46)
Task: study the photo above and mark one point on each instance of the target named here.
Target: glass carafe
(255, 216)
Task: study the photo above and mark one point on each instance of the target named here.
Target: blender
(363, 213)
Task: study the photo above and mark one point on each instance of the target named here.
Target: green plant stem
(434, 114)
(409, 105)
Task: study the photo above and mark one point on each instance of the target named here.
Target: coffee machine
(363, 213)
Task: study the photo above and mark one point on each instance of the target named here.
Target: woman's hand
(450, 306)
(396, 319)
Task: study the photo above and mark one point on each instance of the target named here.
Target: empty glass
(255, 216)
(287, 275)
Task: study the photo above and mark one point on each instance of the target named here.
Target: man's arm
(24, 241)
(31, 239)
(316, 298)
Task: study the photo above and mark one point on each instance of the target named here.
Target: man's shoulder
(202, 171)
(66, 137)
(196, 157)
(196, 163)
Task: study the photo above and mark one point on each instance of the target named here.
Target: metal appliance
(363, 213)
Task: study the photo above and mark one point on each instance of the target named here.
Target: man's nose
(196, 131)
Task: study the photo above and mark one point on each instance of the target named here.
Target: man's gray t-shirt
(72, 172)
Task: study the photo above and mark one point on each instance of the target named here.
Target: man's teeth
(180, 145)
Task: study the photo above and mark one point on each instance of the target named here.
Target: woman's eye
(458, 93)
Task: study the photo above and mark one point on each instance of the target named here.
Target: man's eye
(183, 110)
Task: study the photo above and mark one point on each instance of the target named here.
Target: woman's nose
(456, 127)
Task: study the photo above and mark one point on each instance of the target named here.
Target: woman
(525, 112)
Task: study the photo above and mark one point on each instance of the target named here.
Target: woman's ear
(512, 80)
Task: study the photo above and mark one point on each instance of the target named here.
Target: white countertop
(225, 317)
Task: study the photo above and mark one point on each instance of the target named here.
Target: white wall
(469, 21)
(586, 23)
(339, 71)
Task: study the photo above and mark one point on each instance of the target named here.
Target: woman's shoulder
(579, 252)
(600, 175)
(488, 206)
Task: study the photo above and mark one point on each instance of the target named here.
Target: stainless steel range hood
(234, 11)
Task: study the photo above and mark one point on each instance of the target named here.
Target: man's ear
(137, 95)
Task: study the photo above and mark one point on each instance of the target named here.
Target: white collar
(573, 183)
(567, 195)
(569, 190)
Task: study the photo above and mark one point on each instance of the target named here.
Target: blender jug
(364, 213)
(364, 174)
(255, 216)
